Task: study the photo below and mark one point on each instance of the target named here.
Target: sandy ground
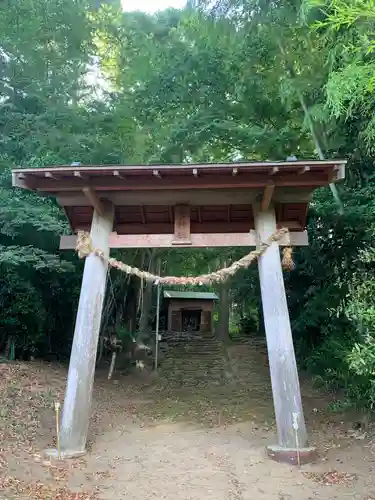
(152, 439)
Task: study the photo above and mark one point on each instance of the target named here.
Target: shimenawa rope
(85, 248)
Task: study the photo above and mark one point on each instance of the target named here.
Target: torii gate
(201, 205)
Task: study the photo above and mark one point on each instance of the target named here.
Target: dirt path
(174, 461)
(153, 439)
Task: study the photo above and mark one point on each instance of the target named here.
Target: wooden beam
(197, 240)
(196, 198)
(182, 225)
(235, 226)
(195, 227)
(251, 180)
(94, 200)
(65, 169)
(293, 225)
(267, 197)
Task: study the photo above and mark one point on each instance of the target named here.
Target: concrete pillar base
(290, 455)
(64, 454)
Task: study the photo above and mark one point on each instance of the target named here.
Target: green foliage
(349, 90)
(218, 81)
(343, 13)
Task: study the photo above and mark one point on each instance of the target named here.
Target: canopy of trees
(81, 80)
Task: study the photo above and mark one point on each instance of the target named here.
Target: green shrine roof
(169, 294)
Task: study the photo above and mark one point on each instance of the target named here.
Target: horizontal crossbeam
(197, 240)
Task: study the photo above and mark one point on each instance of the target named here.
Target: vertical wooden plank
(206, 321)
(169, 322)
(176, 320)
(201, 324)
(283, 367)
(77, 403)
(181, 225)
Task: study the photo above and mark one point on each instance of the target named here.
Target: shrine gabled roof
(171, 294)
(220, 195)
(63, 178)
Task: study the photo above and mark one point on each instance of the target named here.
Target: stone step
(200, 361)
(189, 355)
(190, 344)
(194, 342)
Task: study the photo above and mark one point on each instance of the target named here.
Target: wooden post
(292, 442)
(223, 324)
(182, 225)
(157, 326)
(78, 395)
(158, 290)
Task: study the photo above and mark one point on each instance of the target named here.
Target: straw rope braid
(84, 248)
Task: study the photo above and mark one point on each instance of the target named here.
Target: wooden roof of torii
(145, 196)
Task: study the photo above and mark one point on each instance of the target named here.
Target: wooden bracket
(79, 174)
(118, 175)
(267, 197)
(50, 175)
(304, 170)
(94, 200)
(274, 170)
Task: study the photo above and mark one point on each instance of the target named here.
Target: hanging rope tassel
(287, 260)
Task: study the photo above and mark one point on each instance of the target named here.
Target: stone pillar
(292, 439)
(78, 395)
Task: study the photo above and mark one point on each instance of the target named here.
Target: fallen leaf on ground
(332, 477)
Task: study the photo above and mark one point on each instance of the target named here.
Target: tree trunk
(131, 308)
(223, 326)
(146, 300)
